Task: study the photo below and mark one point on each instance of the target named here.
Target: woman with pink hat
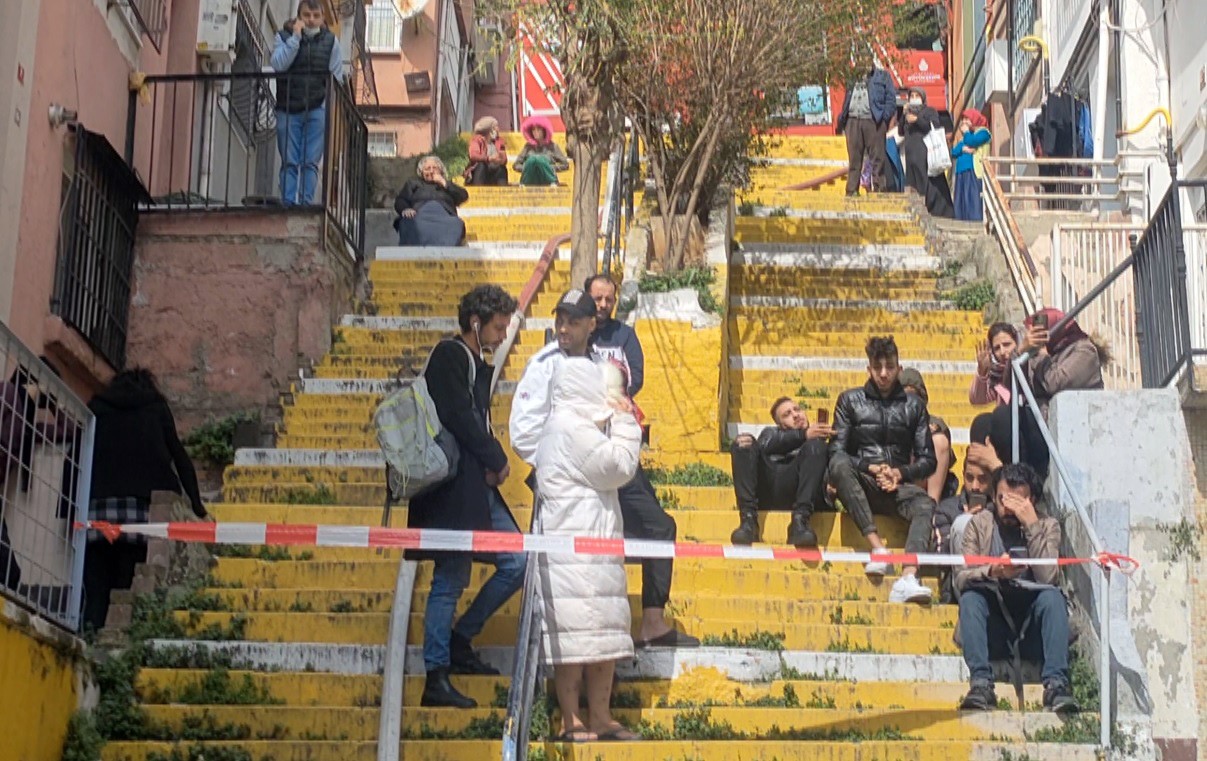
(541, 159)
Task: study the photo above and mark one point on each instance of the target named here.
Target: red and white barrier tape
(369, 537)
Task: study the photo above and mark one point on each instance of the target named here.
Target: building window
(383, 144)
(151, 17)
(383, 31)
(96, 245)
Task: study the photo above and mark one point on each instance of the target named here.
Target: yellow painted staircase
(804, 662)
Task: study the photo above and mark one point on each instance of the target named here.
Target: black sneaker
(799, 532)
(747, 532)
(463, 659)
(980, 697)
(1058, 698)
(438, 692)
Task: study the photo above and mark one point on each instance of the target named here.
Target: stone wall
(1130, 463)
(227, 307)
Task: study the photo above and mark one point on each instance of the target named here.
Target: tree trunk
(584, 212)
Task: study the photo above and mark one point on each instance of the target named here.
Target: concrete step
(788, 229)
(837, 256)
(876, 314)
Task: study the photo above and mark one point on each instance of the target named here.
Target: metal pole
(1105, 684)
(79, 538)
(393, 675)
(1014, 445)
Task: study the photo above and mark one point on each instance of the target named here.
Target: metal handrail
(1018, 258)
(1066, 480)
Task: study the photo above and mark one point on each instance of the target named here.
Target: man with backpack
(458, 381)
(576, 321)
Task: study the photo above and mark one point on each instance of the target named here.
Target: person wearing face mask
(427, 208)
(487, 154)
(306, 55)
(917, 121)
(470, 501)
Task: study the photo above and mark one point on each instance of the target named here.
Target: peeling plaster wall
(1131, 464)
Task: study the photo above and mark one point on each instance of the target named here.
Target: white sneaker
(907, 589)
(876, 568)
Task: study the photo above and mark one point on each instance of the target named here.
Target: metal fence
(152, 16)
(96, 246)
(46, 435)
(214, 142)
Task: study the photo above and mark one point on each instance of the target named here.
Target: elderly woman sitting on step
(591, 446)
(487, 154)
(541, 159)
(427, 208)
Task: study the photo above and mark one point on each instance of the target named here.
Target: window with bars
(1025, 13)
(383, 29)
(383, 144)
(152, 19)
(96, 245)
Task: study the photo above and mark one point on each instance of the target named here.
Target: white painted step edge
(442, 324)
(797, 302)
(489, 251)
(337, 386)
(846, 364)
(872, 256)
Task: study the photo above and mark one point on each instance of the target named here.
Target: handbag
(938, 155)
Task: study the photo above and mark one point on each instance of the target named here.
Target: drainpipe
(1117, 34)
(1100, 95)
(436, 101)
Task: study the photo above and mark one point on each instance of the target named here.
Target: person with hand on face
(306, 54)
(575, 322)
(427, 207)
(969, 147)
(487, 154)
(996, 601)
(785, 468)
(880, 447)
(470, 501)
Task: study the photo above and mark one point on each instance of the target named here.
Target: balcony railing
(152, 16)
(212, 142)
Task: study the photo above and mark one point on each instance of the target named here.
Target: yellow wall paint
(37, 695)
(682, 391)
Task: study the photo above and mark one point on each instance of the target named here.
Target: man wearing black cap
(644, 518)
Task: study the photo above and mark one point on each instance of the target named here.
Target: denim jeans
(450, 577)
(984, 633)
(300, 143)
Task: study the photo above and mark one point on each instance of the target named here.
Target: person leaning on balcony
(970, 146)
(427, 207)
(541, 159)
(1003, 607)
(136, 451)
(487, 154)
(306, 53)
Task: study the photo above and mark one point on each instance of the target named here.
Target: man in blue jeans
(1001, 603)
(458, 380)
(305, 54)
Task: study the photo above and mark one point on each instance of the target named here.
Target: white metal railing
(1072, 184)
(1018, 259)
(1083, 254)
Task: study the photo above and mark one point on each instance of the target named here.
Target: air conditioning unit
(216, 30)
(997, 72)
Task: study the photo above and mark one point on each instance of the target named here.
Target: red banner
(926, 70)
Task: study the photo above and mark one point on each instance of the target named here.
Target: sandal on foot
(577, 736)
(673, 638)
(619, 735)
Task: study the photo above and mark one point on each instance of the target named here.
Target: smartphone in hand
(1018, 553)
(823, 416)
(1039, 320)
(977, 502)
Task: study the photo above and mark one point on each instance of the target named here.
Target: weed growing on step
(1005, 755)
(251, 552)
(837, 618)
(233, 630)
(626, 699)
(804, 392)
(698, 278)
(692, 474)
(852, 735)
(213, 442)
(788, 699)
(305, 556)
(197, 752)
(191, 657)
(972, 297)
(821, 700)
(216, 583)
(482, 728)
(301, 606)
(343, 606)
(756, 640)
(454, 152)
(219, 687)
(669, 500)
(847, 646)
(692, 724)
(746, 209)
(300, 495)
(84, 741)
(1184, 539)
(850, 597)
(778, 211)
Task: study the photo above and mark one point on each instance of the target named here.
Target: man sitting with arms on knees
(784, 468)
(996, 601)
(880, 447)
(952, 516)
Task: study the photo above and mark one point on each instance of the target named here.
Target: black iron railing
(215, 142)
(96, 246)
(152, 16)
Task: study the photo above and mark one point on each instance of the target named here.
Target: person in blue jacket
(970, 144)
(867, 107)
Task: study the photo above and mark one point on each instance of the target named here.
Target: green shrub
(454, 152)
(692, 474)
(974, 297)
(699, 278)
(213, 442)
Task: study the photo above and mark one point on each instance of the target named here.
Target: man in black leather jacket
(784, 468)
(880, 447)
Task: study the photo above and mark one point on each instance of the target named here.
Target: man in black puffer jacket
(306, 55)
(881, 446)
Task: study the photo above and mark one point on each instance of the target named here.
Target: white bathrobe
(579, 467)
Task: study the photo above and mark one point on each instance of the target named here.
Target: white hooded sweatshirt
(579, 468)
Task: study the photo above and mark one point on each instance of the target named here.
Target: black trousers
(864, 136)
(644, 518)
(934, 190)
(10, 572)
(488, 174)
(108, 566)
(863, 499)
(1032, 449)
(797, 485)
